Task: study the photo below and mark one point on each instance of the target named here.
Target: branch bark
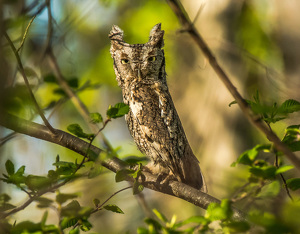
(174, 188)
(254, 119)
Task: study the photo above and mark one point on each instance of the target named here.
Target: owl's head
(141, 62)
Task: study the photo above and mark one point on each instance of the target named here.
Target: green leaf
(96, 117)
(160, 216)
(50, 78)
(77, 131)
(68, 222)
(293, 184)
(290, 106)
(248, 157)
(44, 219)
(37, 182)
(194, 219)
(73, 82)
(113, 208)
(231, 103)
(135, 159)
(137, 187)
(6, 206)
(124, 174)
(270, 190)
(85, 225)
(96, 202)
(238, 227)
(284, 169)
(43, 202)
(30, 227)
(20, 171)
(265, 172)
(155, 224)
(142, 230)
(10, 168)
(119, 110)
(217, 211)
(74, 231)
(94, 171)
(63, 197)
(59, 91)
(73, 209)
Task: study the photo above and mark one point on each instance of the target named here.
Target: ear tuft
(157, 36)
(116, 34)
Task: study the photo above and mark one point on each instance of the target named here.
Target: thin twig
(21, 68)
(26, 32)
(101, 206)
(254, 119)
(283, 179)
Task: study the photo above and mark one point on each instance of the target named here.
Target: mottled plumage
(152, 119)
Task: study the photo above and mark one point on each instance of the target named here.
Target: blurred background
(257, 42)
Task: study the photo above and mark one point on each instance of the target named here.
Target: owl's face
(141, 62)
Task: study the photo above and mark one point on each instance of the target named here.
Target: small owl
(152, 119)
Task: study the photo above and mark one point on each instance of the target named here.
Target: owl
(152, 119)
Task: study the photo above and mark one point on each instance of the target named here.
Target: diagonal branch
(21, 69)
(77, 145)
(254, 119)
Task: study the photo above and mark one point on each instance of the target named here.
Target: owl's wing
(158, 122)
(153, 109)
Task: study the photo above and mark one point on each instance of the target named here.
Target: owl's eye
(124, 61)
(152, 59)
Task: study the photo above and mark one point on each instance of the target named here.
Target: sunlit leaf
(160, 216)
(96, 117)
(284, 169)
(119, 110)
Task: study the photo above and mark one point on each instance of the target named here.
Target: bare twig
(26, 32)
(21, 68)
(71, 142)
(254, 119)
(283, 179)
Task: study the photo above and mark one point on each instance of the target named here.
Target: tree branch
(77, 145)
(254, 119)
(21, 69)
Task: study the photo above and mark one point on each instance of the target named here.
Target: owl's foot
(164, 179)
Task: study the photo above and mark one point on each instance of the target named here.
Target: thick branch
(253, 119)
(77, 145)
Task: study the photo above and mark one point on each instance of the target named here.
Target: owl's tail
(191, 173)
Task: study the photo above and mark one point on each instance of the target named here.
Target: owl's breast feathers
(159, 133)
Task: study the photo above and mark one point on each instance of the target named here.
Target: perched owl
(152, 119)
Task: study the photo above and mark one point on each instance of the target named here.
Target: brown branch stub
(255, 120)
